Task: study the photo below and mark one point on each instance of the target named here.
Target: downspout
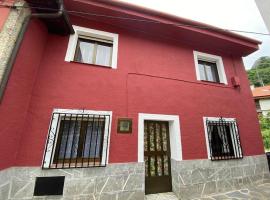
(58, 14)
(61, 12)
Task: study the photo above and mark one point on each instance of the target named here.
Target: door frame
(174, 131)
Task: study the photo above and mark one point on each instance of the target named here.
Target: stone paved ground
(259, 192)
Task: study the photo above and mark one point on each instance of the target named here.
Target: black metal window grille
(224, 140)
(77, 141)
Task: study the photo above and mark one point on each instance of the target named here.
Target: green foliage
(265, 129)
(260, 68)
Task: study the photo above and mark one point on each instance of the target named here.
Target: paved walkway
(259, 192)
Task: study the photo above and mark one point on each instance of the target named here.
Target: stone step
(161, 196)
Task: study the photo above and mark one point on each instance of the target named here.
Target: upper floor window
(208, 71)
(222, 138)
(209, 68)
(93, 47)
(77, 138)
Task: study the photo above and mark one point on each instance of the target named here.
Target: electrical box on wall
(235, 81)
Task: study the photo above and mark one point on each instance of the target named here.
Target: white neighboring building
(262, 99)
(264, 7)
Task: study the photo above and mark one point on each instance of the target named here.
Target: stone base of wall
(190, 179)
(113, 182)
(198, 178)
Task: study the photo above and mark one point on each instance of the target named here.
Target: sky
(229, 14)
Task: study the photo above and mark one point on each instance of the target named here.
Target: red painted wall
(3, 16)
(61, 84)
(14, 105)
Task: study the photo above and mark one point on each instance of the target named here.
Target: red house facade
(112, 101)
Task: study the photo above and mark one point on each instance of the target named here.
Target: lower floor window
(223, 139)
(77, 139)
(80, 138)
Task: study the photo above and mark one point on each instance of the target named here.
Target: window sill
(93, 65)
(212, 82)
(76, 165)
(220, 158)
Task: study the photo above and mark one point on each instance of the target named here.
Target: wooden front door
(157, 157)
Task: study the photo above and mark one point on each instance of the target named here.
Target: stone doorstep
(161, 196)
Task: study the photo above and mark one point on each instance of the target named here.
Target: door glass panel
(159, 165)
(151, 135)
(166, 166)
(145, 138)
(158, 138)
(146, 165)
(152, 166)
(164, 136)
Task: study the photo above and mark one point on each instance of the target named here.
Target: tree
(265, 129)
(260, 72)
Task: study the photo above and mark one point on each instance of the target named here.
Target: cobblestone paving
(259, 192)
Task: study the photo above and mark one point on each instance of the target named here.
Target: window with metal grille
(223, 139)
(77, 140)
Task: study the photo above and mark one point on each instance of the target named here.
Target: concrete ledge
(199, 178)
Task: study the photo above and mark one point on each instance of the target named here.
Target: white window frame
(82, 31)
(54, 133)
(210, 58)
(174, 131)
(206, 133)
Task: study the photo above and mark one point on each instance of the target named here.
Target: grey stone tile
(21, 189)
(196, 177)
(100, 184)
(237, 171)
(134, 195)
(209, 188)
(185, 177)
(249, 170)
(191, 191)
(4, 190)
(237, 194)
(223, 173)
(107, 196)
(114, 183)
(134, 182)
(79, 187)
(224, 186)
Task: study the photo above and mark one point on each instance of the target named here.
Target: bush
(265, 129)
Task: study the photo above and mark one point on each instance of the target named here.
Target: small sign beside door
(124, 125)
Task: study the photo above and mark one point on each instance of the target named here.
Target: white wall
(264, 7)
(265, 105)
